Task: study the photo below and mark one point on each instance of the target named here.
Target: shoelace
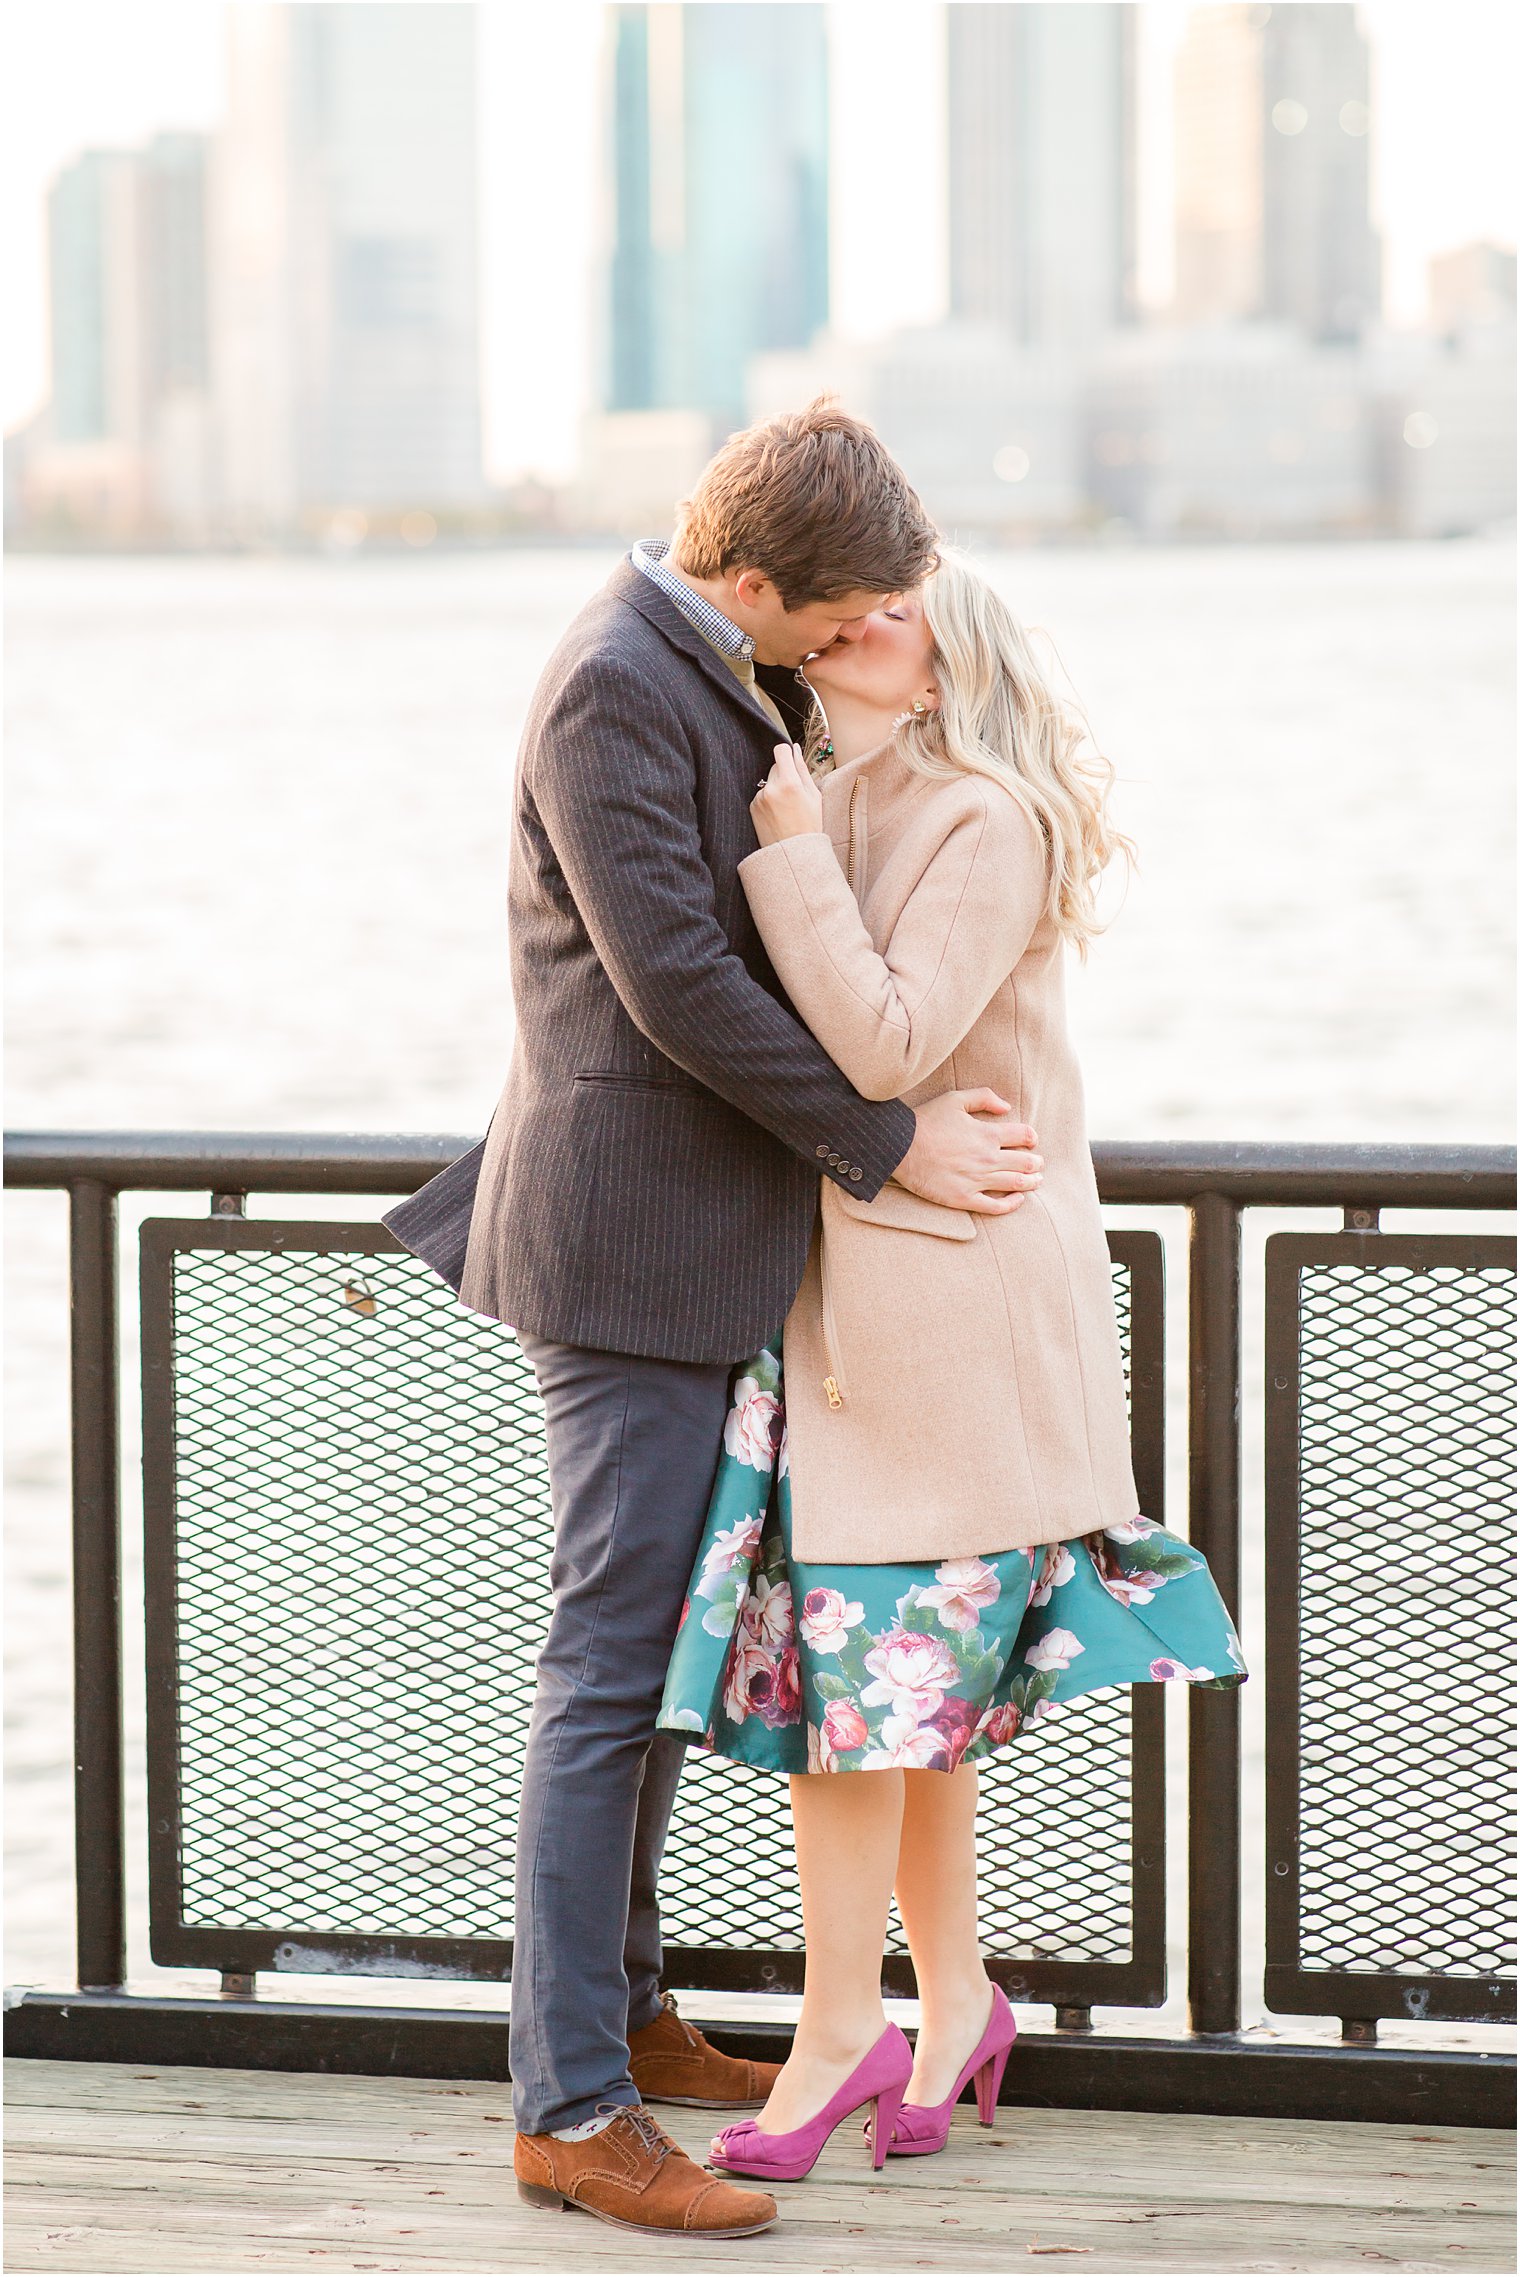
(689, 2031)
(653, 2137)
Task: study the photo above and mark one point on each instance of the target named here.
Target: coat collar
(862, 797)
(884, 769)
(640, 592)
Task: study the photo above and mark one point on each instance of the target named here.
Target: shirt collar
(719, 631)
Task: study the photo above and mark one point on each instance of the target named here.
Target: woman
(942, 1541)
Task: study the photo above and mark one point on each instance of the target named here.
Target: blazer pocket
(909, 1213)
(615, 1081)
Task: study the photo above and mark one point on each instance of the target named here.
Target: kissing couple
(789, 1200)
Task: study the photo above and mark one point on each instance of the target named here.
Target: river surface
(258, 826)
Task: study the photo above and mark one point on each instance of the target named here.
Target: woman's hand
(788, 803)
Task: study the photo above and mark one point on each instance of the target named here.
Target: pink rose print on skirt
(907, 1746)
(752, 1431)
(963, 1588)
(733, 1545)
(1132, 1529)
(844, 1726)
(913, 1673)
(1057, 1565)
(767, 1615)
(1058, 1648)
(827, 1619)
(1000, 1724)
(1131, 1586)
(956, 1723)
(763, 1684)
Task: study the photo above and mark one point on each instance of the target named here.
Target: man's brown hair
(815, 501)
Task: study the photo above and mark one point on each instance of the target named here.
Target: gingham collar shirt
(719, 631)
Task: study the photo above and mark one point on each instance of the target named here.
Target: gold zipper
(831, 1383)
(855, 862)
(855, 872)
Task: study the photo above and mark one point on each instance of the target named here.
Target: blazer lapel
(641, 593)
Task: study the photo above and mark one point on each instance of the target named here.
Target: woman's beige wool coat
(974, 1360)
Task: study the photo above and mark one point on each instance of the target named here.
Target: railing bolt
(1360, 2031)
(238, 1984)
(1361, 1221)
(1071, 2017)
(228, 1205)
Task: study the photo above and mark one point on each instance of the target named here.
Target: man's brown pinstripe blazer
(650, 1177)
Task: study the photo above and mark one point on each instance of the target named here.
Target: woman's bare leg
(936, 1897)
(848, 1827)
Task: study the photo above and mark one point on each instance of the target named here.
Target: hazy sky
(112, 71)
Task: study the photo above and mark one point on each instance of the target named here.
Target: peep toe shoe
(925, 2127)
(878, 2079)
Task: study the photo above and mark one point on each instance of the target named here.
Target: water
(258, 832)
(259, 826)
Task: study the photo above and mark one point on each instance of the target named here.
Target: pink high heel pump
(925, 2127)
(878, 2079)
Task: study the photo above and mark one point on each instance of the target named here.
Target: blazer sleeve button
(822, 1153)
(856, 1175)
(833, 1162)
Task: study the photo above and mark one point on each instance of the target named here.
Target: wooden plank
(177, 2170)
(1220, 2157)
(972, 2162)
(295, 2097)
(239, 2232)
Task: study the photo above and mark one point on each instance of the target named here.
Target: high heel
(925, 2127)
(880, 2079)
(988, 2080)
(886, 2110)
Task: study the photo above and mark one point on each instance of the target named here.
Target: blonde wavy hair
(1000, 714)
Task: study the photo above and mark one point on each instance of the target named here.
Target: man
(640, 1212)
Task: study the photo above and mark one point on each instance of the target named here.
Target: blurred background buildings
(1043, 202)
(271, 334)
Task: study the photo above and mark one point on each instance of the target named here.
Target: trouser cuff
(571, 2114)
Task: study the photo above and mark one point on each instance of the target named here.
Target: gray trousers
(633, 1451)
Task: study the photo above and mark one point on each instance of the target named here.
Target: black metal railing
(346, 1514)
(347, 1531)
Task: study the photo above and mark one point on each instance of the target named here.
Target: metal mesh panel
(348, 1539)
(361, 1527)
(1404, 1453)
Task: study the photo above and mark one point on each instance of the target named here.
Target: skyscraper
(122, 447)
(95, 299)
(720, 196)
(345, 338)
(1042, 157)
(1273, 176)
(127, 286)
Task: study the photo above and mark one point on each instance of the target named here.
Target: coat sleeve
(612, 786)
(890, 1018)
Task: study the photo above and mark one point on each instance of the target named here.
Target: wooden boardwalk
(156, 2171)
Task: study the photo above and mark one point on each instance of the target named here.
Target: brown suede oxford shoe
(670, 2062)
(635, 2177)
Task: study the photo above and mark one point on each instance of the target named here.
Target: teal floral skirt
(871, 1667)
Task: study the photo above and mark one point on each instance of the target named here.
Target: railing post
(99, 1834)
(1214, 1528)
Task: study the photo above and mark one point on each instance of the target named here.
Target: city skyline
(889, 261)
